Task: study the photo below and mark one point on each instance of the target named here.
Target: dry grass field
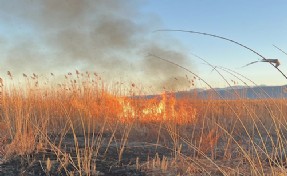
(85, 126)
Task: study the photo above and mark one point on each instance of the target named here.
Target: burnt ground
(107, 163)
(136, 160)
(35, 164)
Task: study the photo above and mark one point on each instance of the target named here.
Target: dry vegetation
(87, 127)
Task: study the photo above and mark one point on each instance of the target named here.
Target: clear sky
(114, 37)
(258, 24)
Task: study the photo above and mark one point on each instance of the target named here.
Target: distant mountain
(235, 92)
(238, 92)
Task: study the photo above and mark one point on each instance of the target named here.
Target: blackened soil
(107, 163)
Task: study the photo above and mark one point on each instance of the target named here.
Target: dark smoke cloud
(103, 35)
(164, 74)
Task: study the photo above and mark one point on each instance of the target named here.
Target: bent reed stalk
(227, 39)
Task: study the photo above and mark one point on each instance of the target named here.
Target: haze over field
(114, 38)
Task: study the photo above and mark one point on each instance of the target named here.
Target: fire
(163, 108)
(155, 109)
(128, 110)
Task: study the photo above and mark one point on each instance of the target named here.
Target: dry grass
(204, 137)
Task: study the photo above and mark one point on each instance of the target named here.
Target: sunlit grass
(212, 136)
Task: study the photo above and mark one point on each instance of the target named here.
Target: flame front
(158, 109)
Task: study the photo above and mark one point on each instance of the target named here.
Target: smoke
(95, 35)
(163, 74)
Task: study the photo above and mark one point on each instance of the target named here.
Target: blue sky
(113, 38)
(257, 24)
